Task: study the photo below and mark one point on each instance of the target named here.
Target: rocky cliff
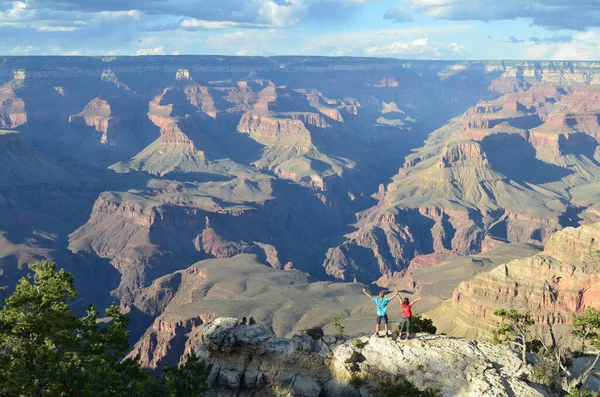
(247, 360)
(12, 109)
(561, 280)
(502, 169)
(97, 114)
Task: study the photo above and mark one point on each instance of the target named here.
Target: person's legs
(385, 318)
(402, 324)
(409, 323)
(377, 326)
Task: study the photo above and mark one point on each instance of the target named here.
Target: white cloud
(398, 15)
(559, 14)
(421, 48)
(358, 42)
(249, 42)
(584, 46)
(23, 49)
(55, 28)
(72, 53)
(193, 24)
(135, 14)
(160, 50)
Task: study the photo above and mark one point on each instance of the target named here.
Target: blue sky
(407, 29)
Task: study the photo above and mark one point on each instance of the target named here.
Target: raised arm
(415, 301)
(397, 294)
(366, 293)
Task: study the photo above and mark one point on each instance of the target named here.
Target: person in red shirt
(406, 307)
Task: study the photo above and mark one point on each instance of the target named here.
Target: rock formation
(247, 360)
(562, 280)
(96, 114)
(500, 170)
(186, 300)
(12, 109)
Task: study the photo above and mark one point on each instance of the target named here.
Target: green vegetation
(336, 322)
(45, 350)
(578, 393)
(404, 389)
(358, 343)
(554, 359)
(422, 324)
(514, 329)
(545, 371)
(316, 333)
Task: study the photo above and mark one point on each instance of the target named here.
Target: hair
(406, 302)
(381, 294)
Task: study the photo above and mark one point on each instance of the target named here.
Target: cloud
(514, 40)
(551, 40)
(551, 14)
(24, 49)
(583, 46)
(421, 48)
(19, 14)
(196, 24)
(398, 15)
(262, 42)
(265, 13)
(160, 50)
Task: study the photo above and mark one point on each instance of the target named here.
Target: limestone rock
(293, 367)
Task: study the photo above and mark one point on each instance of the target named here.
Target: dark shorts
(384, 318)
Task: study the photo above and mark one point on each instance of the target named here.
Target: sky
(405, 29)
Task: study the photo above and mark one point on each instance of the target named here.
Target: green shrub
(404, 389)
(578, 393)
(420, 324)
(359, 344)
(534, 345)
(336, 322)
(315, 332)
(545, 371)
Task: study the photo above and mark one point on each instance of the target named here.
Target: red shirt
(406, 310)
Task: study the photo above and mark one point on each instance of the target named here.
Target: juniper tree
(515, 329)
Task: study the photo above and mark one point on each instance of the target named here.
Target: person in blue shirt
(382, 303)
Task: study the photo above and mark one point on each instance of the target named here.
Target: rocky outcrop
(174, 151)
(247, 360)
(201, 98)
(96, 114)
(314, 119)
(562, 280)
(182, 74)
(12, 109)
(284, 133)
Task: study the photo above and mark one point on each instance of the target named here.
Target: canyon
(188, 188)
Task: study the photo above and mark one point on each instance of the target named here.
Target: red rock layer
(562, 280)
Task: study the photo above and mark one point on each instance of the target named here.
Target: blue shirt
(382, 305)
